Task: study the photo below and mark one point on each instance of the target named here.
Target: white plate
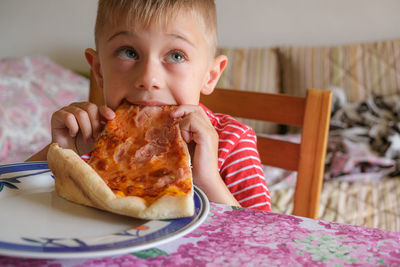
(36, 223)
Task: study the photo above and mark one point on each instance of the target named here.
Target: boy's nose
(148, 76)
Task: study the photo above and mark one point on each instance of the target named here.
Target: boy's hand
(196, 127)
(76, 126)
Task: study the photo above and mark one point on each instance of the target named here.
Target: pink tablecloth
(243, 237)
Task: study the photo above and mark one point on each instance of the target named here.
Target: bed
(361, 183)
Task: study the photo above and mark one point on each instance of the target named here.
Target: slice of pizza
(140, 167)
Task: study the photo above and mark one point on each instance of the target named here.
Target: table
(246, 237)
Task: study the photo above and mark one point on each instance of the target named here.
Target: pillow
(31, 89)
(252, 69)
(361, 69)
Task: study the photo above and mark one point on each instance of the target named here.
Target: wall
(62, 29)
(307, 22)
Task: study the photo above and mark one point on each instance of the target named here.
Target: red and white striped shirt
(239, 163)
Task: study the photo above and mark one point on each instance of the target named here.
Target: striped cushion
(252, 69)
(360, 69)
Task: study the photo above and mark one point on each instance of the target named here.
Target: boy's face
(168, 65)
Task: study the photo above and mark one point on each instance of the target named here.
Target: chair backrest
(312, 113)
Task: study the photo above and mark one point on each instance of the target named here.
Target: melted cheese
(133, 164)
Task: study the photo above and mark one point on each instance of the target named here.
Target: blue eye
(176, 57)
(127, 53)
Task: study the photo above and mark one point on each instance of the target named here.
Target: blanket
(364, 138)
(363, 143)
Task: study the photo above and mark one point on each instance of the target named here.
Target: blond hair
(141, 13)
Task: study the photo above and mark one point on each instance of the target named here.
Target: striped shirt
(239, 163)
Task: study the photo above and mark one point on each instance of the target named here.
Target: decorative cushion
(31, 89)
(361, 69)
(252, 69)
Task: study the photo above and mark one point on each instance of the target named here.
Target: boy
(161, 52)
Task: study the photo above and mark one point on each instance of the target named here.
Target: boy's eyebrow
(117, 34)
(174, 35)
(181, 37)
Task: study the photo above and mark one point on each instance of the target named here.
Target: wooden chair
(96, 93)
(312, 113)
(307, 158)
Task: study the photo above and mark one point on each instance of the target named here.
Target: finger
(193, 127)
(83, 119)
(94, 117)
(184, 110)
(189, 117)
(186, 135)
(181, 111)
(72, 124)
(106, 112)
(62, 120)
(195, 112)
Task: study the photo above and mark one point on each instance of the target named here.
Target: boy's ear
(93, 59)
(216, 70)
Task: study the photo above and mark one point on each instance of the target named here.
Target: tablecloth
(244, 237)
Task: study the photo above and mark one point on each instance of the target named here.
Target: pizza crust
(76, 181)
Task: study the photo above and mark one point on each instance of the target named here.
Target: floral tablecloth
(245, 237)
